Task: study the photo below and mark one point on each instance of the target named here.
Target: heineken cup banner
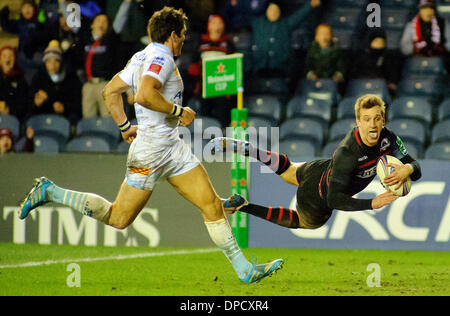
(222, 75)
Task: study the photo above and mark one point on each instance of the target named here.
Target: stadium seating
(266, 106)
(346, 108)
(297, 148)
(242, 41)
(444, 110)
(439, 151)
(393, 39)
(11, 122)
(42, 145)
(429, 87)
(329, 148)
(400, 3)
(410, 131)
(424, 66)
(261, 85)
(344, 37)
(88, 144)
(344, 17)
(322, 89)
(349, 3)
(395, 18)
(441, 132)
(411, 107)
(302, 106)
(260, 127)
(359, 87)
(103, 127)
(303, 129)
(51, 125)
(340, 128)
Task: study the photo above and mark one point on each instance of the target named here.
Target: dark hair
(164, 22)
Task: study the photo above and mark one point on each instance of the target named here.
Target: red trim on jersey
(290, 216)
(358, 139)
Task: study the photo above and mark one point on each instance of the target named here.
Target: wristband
(125, 126)
(177, 110)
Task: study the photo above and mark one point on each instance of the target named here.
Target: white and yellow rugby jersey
(155, 60)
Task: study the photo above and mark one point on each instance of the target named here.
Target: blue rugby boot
(260, 271)
(36, 197)
(227, 144)
(234, 203)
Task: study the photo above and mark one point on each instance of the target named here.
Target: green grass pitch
(193, 272)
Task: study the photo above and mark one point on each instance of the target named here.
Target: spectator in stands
(55, 89)
(324, 59)
(13, 86)
(272, 38)
(376, 61)
(98, 51)
(7, 141)
(133, 29)
(27, 27)
(215, 42)
(426, 35)
(236, 12)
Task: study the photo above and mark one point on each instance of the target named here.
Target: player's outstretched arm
(383, 199)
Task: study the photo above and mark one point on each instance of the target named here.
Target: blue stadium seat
(346, 108)
(430, 87)
(302, 106)
(259, 128)
(51, 125)
(410, 131)
(88, 144)
(329, 148)
(349, 3)
(411, 107)
(424, 66)
(42, 145)
(344, 18)
(359, 87)
(299, 39)
(297, 148)
(11, 122)
(104, 127)
(444, 110)
(266, 106)
(413, 149)
(303, 129)
(441, 132)
(322, 89)
(440, 151)
(399, 3)
(340, 128)
(395, 18)
(261, 85)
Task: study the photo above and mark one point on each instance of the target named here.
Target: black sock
(281, 216)
(279, 163)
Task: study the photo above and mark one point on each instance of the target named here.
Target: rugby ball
(383, 171)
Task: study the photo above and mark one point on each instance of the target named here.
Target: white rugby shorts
(151, 160)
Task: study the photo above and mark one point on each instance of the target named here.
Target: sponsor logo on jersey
(155, 68)
(362, 158)
(401, 146)
(385, 143)
(368, 173)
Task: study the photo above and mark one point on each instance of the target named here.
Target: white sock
(222, 236)
(88, 204)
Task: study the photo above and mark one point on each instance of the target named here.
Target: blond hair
(368, 101)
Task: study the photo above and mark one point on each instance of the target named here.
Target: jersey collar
(163, 47)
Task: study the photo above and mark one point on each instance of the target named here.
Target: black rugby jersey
(352, 168)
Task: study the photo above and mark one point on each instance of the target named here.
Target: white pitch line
(120, 257)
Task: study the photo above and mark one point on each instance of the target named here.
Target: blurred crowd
(61, 66)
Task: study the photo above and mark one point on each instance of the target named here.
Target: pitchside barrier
(420, 220)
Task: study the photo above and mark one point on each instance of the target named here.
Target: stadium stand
(440, 151)
(42, 145)
(303, 129)
(340, 128)
(410, 131)
(103, 127)
(86, 144)
(11, 122)
(302, 106)
(413, 108)
(444, 110)
(265, 106)
(51, 125)
(441, 132)
(297, 148)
